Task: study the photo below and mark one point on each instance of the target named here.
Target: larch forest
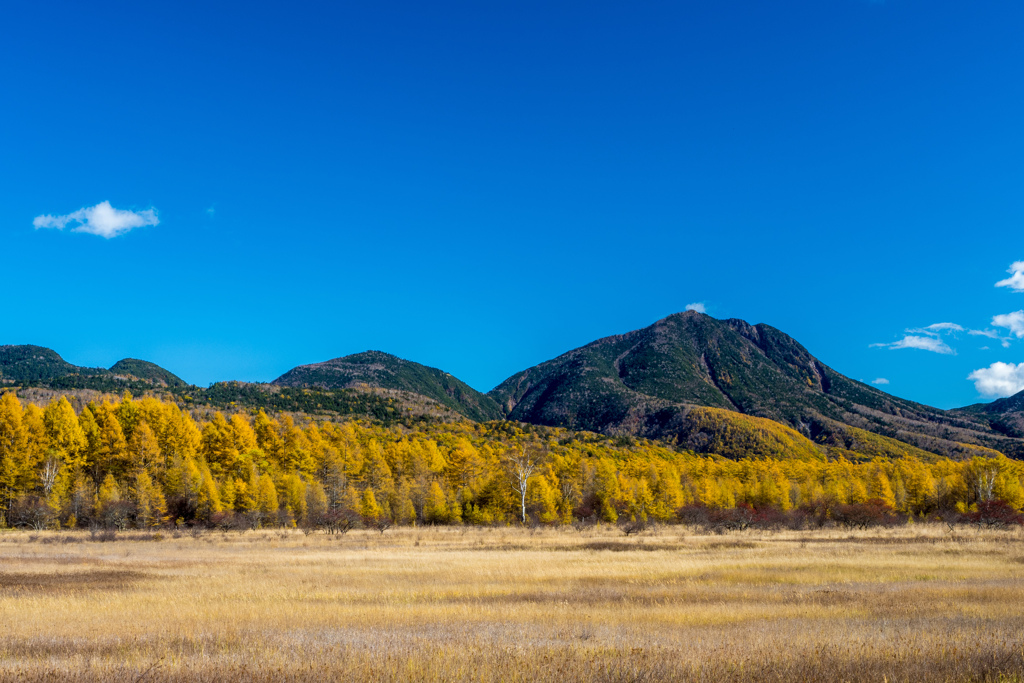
(126, 463)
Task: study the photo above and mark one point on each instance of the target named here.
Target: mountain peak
(385, 371)
(646, 382)
(144, 370)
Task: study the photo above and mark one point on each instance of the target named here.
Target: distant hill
(144, 370)
(1005, 415)
(383, 371)
(646, 383)
(27, 363)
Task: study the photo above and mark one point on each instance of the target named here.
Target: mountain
(1005, 415)
(708, 385)
(144, 370)
(27, 363)
(384, 371)
(648, 382)
(38, 365)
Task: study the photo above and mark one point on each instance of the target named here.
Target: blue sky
(482, 186)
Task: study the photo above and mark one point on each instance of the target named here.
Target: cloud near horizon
(697, 306)
(999, 379)
(103, 220)
(880, 380)
(1016, 279)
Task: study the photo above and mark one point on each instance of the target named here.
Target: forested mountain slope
(689, 379)
(1005, 415)
(646, 382)
(37, 364)
(146, 371)
(384, 371)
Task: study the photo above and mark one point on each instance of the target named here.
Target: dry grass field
(450, 604)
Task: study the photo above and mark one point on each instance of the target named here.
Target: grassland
(918, 603)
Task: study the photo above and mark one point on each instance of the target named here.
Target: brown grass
(909, 604)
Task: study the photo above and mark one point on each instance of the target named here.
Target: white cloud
(880, 380)
(699, 307)
(991, 334)
(999, 379)
(102, 219)
(926, 338)
(924, 343)
(936, 328)
(1016, 279)
(1014, 322)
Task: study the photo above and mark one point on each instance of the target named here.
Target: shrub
(868, 514)
(995, 513)
(31, 512)
(716, 519)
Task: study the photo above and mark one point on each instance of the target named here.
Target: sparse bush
(768, 517)
(871, 513)
(118, 514)
(637, 526)
(101, 535)
(31, 512)
(995, 513)
(227, 521)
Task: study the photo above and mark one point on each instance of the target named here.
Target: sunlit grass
(454, 604)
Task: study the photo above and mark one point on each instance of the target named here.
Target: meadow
(913, 603)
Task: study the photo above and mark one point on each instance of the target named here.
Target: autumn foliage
(137, 463)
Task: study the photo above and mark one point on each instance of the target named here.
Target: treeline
(147, 463)
(246, 395)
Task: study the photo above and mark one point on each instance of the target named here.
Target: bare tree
(382, 523)
(49, 473)
(521, 466)
(986, 484)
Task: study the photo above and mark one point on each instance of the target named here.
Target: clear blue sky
(481, 186)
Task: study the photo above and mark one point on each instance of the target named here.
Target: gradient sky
(481, 186)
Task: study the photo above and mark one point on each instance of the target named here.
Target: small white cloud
(999, 379)
(880, 380)
(1016, 279)
(937, 328)
(102, 219)
(992, 334)
(933, 344)
(1014, 322)
(699, 307)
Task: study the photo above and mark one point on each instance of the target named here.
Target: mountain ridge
(31, 363)
(644, 383)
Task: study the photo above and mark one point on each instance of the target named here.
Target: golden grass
(444, 604)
